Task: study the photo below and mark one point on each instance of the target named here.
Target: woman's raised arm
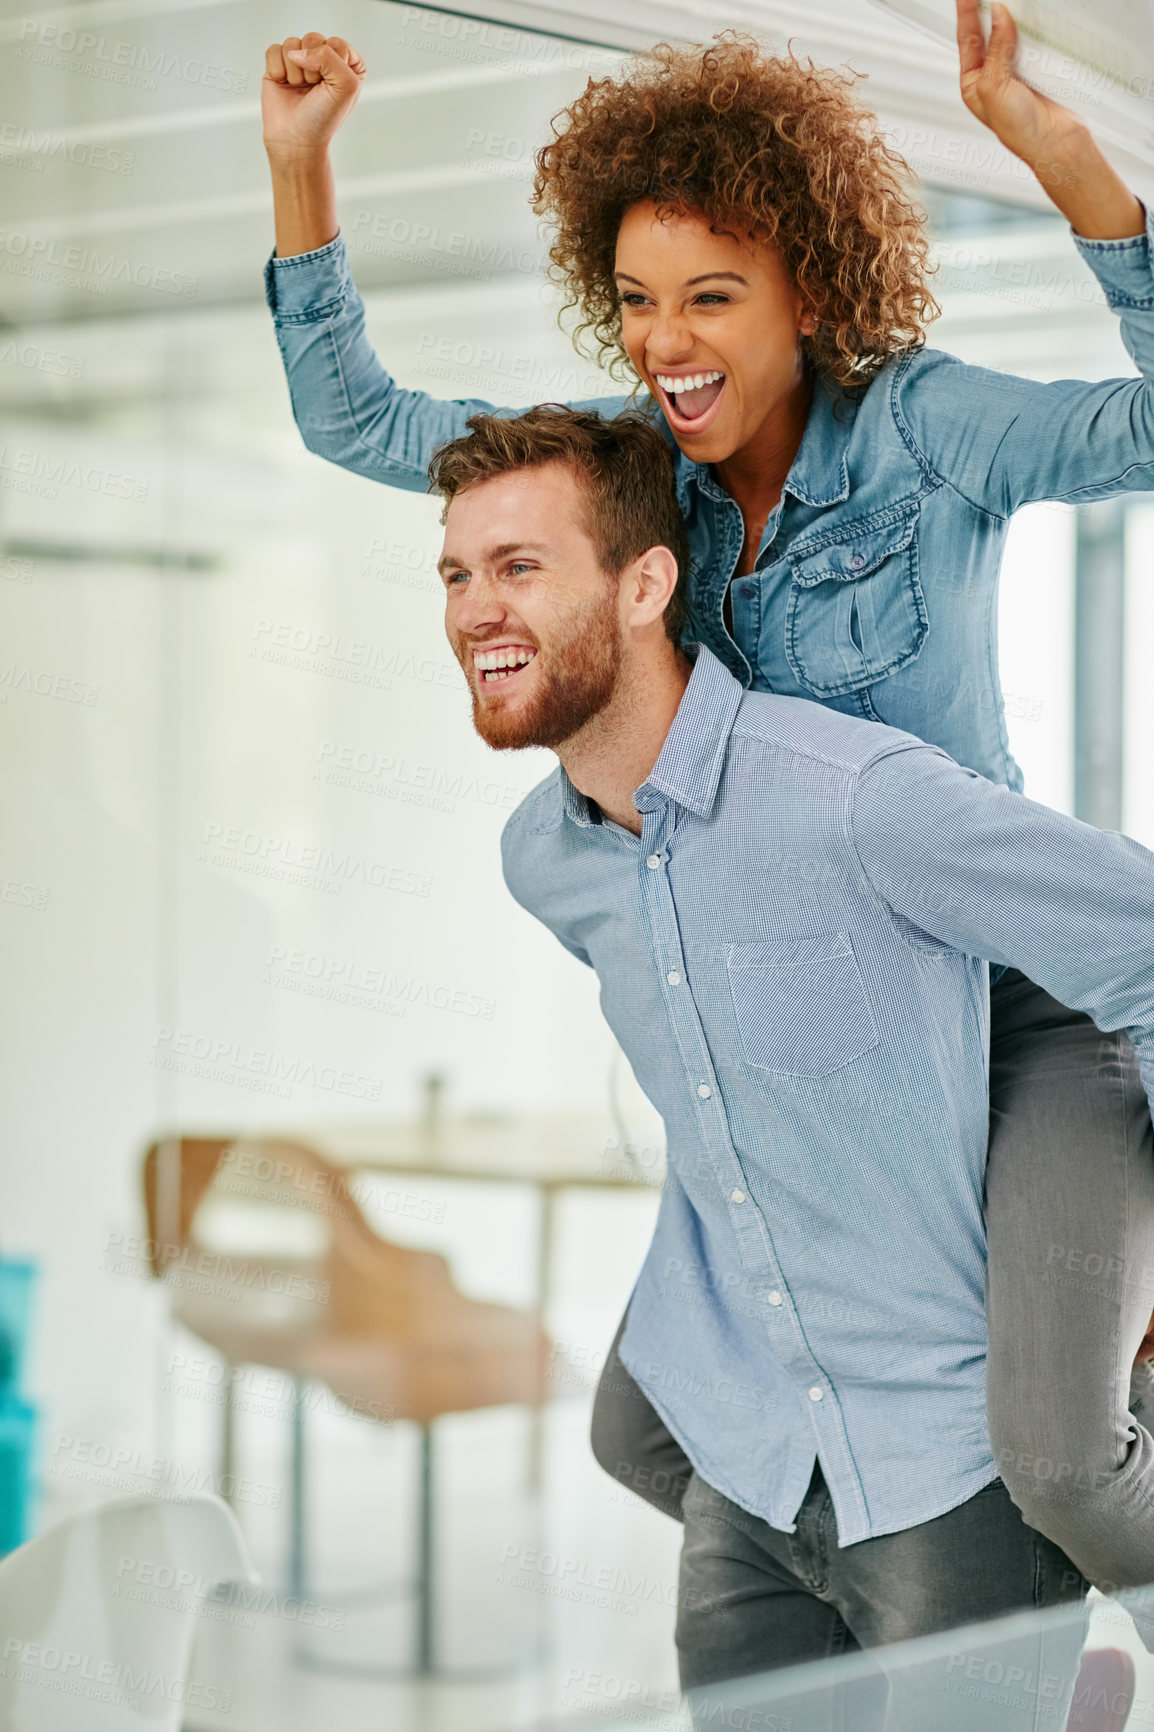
(348, 407)
(310, 87)
(1052, 142)
(1004, 441)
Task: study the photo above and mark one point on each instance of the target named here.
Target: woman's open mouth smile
(691, 400)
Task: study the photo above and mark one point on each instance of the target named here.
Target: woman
(735, 231)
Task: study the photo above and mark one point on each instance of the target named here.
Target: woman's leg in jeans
(1070, 1223)
(630, 1440)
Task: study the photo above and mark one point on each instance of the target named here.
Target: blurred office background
(249, 881)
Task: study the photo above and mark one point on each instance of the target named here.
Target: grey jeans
(754, 1599)
(1070, 1288)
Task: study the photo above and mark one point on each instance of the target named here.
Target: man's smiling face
(529, 613)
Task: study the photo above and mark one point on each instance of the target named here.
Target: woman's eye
(633, 299)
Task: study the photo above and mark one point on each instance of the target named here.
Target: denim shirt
(875, 588)
(788, 954)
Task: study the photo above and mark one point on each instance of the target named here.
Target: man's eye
(453, 577)
(520, 565)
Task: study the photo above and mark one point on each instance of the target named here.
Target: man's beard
(575, 679)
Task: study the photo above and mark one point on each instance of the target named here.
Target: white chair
(97, 1614)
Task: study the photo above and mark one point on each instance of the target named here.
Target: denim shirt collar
(818, 475)
(689, 765)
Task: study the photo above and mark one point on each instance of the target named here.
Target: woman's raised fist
(310, 86)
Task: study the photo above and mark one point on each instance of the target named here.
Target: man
(787, 909)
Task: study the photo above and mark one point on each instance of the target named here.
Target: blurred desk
(553, 1152)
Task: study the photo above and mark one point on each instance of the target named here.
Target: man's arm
(527, 855)
(994, 874)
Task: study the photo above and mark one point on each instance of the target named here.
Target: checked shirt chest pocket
(856, 611)
(801, 1006)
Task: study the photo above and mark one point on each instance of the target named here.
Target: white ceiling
(187, 207)
(443, 137)
(1097, 58)
(134, 179)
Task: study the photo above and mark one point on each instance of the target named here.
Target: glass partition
(1084, 1669)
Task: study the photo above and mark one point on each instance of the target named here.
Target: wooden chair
(382, 1325)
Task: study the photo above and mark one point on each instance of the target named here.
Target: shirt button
(747, 591)
(673, 977)
(737, 1196)
(856, 562)
(815, 1393)
(704, 1091)
(653, 862)
(774, 1297)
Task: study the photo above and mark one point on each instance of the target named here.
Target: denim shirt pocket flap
(801, 1006)
(856, 611)
(857, 556)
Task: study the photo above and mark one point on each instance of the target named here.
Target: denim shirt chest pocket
(856, 611)
(801, 1006)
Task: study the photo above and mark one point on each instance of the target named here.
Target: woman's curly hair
(770, 144)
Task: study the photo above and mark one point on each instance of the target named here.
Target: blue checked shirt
(790, 957)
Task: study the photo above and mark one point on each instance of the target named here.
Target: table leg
(298, 1512)
(228, 1438)
(425, 1541)
(546, 1238)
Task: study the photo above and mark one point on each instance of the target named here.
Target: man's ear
(649, 583)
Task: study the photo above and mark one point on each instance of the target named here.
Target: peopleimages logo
(308, 865)
(41, 360)
(162, 1584)
(119, 1467)
(43, 684)
(219, 1059)
(113, 1681)
(210, 1271)
(367, 987)
(24, 142)
(94, 270)
(120, 62)
(48, 473)
(452, 251)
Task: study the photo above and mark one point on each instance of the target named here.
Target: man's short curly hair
(622, 464)
(771, 145)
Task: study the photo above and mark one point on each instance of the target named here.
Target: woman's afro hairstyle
(769, 145)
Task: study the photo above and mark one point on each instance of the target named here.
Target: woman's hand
(310, 87)
(1049, 138)
(1029, 124)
